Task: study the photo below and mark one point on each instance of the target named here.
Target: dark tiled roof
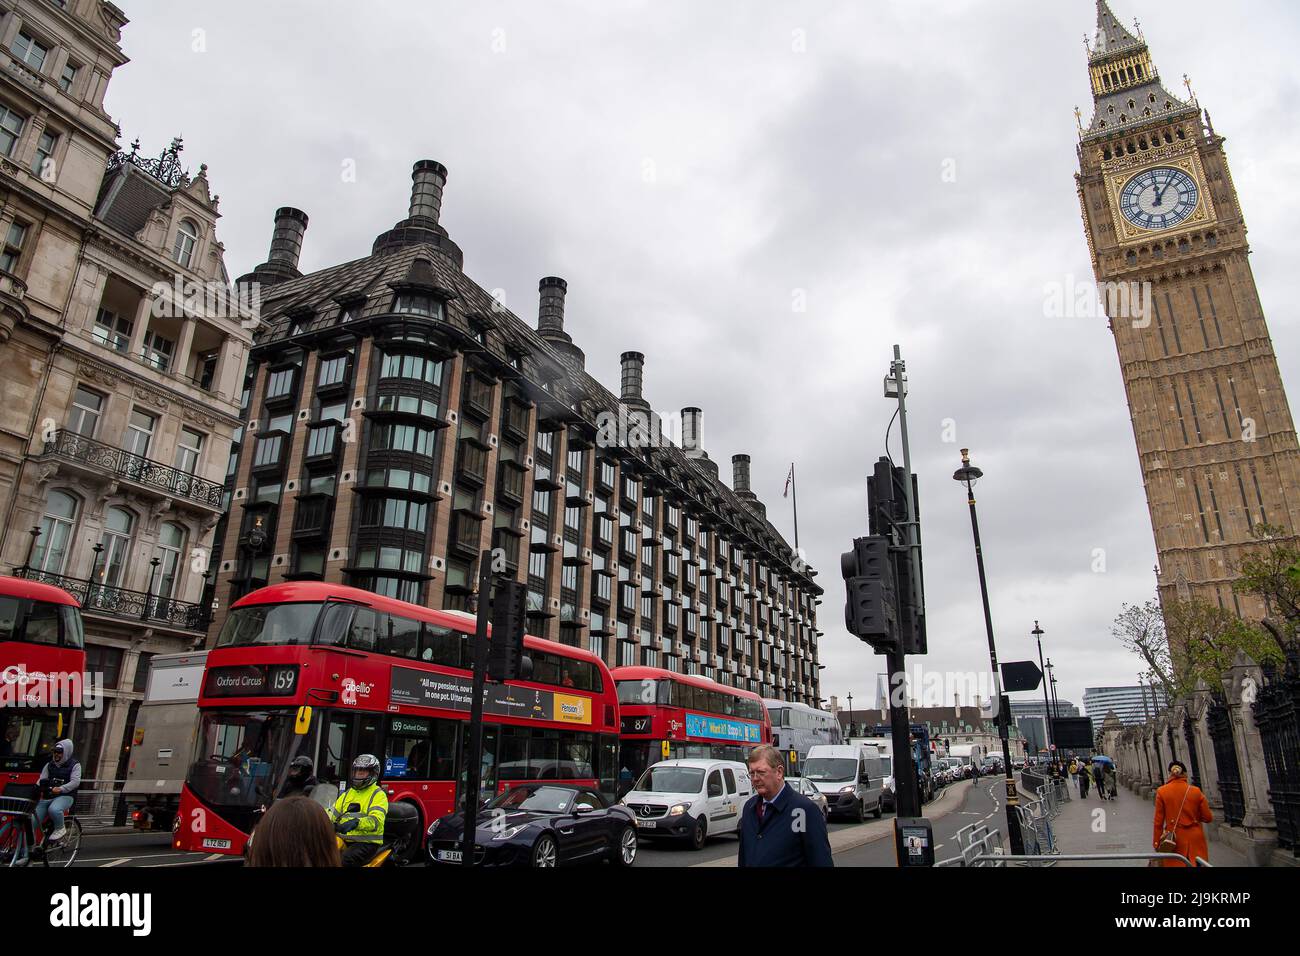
(470, 309)
(126, 199)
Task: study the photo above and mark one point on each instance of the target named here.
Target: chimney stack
(740, 474)
(281, 263)
(550, 311)
(428, 177)
(691, 438)
(286, 241)
(633, 368)
(421, 226)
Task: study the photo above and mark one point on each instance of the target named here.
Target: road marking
(118, 861)
(216, 856)
(143, 856)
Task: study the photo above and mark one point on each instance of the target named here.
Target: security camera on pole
(885, 608)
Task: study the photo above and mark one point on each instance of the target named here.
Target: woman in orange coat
(1182, 808)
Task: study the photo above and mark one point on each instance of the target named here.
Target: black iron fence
(124, 603)
(123, 464)
(1277, 714)
(1219, 723)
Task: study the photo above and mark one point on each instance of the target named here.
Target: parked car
(809, 790)
(689, 798)
(540, 824)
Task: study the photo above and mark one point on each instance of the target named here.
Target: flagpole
(794, 497)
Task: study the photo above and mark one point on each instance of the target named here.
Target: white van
(849, 776)
(690, 798)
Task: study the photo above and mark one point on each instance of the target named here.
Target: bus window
(400, 637)
(575, 757)
(73, 632)
(365, 627)
(443, 766)
(332, 766)
(10, 608)
(42, 623)
(546, 669)
(334, 624)
(513, 754)
(27, 736)
(544, 755)
(441, 645)
(370, 729)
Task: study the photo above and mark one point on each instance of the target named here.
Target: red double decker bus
(331, 672)
(42, 669)
(692, 715)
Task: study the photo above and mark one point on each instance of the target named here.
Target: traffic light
(870, 611)
(506, 659)
(887, 515)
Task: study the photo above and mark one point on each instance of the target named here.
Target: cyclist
(59, 779)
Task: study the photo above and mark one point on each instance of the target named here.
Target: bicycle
(16, 842)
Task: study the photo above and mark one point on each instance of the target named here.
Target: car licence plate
(211, 844)
(647, 824)
(449, 856)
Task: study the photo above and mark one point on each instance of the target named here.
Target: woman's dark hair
(296, 831)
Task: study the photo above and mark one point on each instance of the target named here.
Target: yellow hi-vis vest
(374, 808)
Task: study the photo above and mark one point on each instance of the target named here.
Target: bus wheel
(699, 834)
(544, 851)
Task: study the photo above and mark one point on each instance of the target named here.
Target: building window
(139, 432)
(157, 351)
(417, 303)
(188, 449)
(30, 51)
(13, 248)
(86, 409)
(333, 371)
(268, 450)
(187, 237)
(106, 661)
(280, 383)
(418, 367)
(394, 559)
(119, 528)
(395, 513)
(113, 330)
(51, 551)
(171, 545)
(68, 77)
(44, 154)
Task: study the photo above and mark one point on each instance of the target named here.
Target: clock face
(1159, 198)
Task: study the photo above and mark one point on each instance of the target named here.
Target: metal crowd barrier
(976, 840)
(1001, 859)
(100, 803)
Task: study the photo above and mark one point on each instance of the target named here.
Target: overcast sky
(753, 194)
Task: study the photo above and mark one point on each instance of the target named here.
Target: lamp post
(31, 550)
(851, 727)
(148, 597)
(1047, 707)
(94, 571)
(967, 475)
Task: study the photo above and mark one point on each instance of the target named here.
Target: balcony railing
(143, 471)
(123, 603)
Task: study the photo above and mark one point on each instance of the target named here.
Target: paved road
(982, 801)
(136, 849)
(718, 848)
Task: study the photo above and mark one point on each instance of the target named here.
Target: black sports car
(540, 824)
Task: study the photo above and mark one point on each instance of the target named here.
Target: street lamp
(968, 474)
(31, 549)
(148, 597)
(1047, 707)
(94, 570)
(851, 727)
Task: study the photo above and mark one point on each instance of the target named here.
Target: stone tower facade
(1166, 232)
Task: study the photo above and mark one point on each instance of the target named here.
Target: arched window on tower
(187, 237)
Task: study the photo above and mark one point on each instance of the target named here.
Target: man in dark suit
(779, 827)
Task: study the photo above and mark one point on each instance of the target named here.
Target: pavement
(1122, 825)
(845, 839)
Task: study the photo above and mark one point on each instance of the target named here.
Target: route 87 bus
(332, 672)
(694, 716)
(42, 673)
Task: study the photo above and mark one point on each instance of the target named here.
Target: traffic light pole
(906, 784)
(474, 758)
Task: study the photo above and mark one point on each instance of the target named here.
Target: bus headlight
(677, 809)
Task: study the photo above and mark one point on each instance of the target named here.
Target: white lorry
(163, 743)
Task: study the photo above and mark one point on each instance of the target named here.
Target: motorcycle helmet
(300, 768)
(365, 771)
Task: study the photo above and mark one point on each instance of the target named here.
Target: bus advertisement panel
(331, 672)
(666, 715)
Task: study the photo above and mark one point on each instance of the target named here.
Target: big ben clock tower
(1215, 439)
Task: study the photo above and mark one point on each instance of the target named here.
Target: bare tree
(1141, 628)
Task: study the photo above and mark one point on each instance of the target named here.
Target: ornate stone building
(122, 360)
(400, 422)
(1215, 438)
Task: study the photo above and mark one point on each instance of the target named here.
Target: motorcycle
(401, 827)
